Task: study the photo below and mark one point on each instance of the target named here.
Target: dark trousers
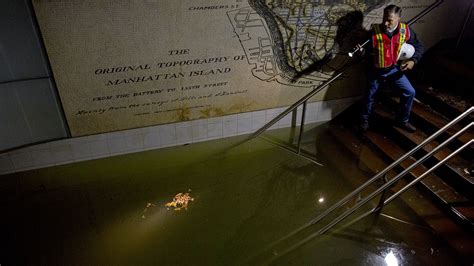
(395, 77)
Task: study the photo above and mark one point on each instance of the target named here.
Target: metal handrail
(397, 162)
(332, 79)
(413, 182)
(297, 103)
(384, 188)
(380, 174)
(393, 180)
(386, 184)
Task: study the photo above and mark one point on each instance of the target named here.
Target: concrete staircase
(451, 186)
(447, 203)
(445, 198)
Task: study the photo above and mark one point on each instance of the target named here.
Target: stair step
(436, 120)
(357, 148)
(456, 165)
(442, 102)
(431, 121)
(459, 206)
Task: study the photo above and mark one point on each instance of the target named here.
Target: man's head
(391, 17)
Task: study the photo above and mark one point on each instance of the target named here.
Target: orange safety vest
(386, 50)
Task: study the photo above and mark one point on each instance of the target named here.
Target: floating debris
(180, 201)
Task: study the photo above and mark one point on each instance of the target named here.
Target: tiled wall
(135, 140)
(26, 85)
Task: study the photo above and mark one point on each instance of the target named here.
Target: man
(386, 41)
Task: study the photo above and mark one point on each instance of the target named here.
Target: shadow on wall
(350, 32)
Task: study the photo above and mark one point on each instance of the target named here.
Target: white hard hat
(406, 52)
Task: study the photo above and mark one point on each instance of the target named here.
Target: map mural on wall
(128, 64)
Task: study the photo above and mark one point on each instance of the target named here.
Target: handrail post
(294, 122)
(382, 198)
(381, 202)
(302, 126)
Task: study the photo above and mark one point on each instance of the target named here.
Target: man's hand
(407, 65)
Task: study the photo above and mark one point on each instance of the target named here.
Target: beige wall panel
(127, 64)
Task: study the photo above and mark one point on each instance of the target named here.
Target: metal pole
(302, 126)
(381, 202)
(291, 136)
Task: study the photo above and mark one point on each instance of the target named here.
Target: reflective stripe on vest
(386, 50)
(402, 31)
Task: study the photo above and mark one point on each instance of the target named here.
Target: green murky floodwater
(112, 211)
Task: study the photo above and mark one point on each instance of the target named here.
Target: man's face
(390, 21)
